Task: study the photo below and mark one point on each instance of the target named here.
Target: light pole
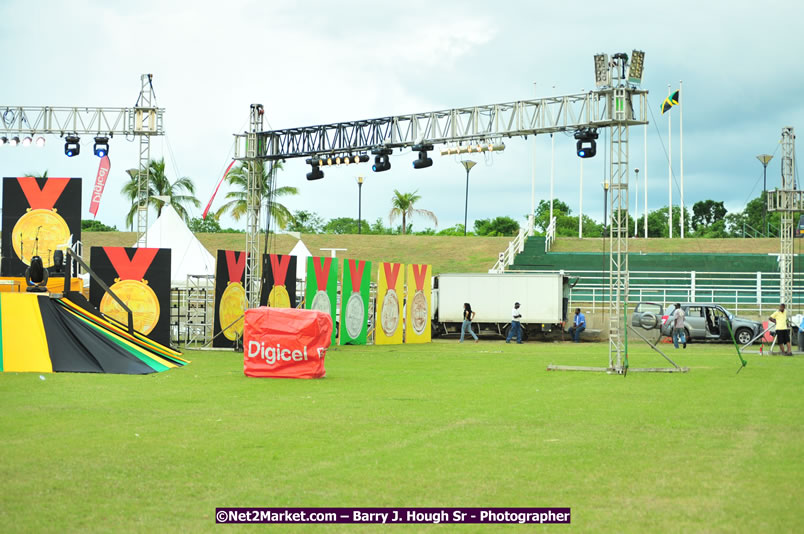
(468, 164)
(636, 204)
(359, 204)
(764, 159)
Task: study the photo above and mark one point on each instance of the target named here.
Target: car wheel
(743, 336)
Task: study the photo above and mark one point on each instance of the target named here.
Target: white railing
(550, 235)
(509, 254)
(751, 293)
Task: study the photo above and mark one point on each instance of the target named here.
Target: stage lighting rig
(72, 146)
(423, 162)
(602, 73)
(27, 140)
(316, 173)
(3, 141)
(40, 141)
(14, 141)
(636, 66)
(585, 144)
(382, 160)
(101, 147)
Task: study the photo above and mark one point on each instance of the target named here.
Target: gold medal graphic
(279, 298)
(38, 233)
(139, 297)
(232, 305)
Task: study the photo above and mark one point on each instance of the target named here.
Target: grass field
(443, 424)
(447, 254)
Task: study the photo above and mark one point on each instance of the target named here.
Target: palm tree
(402, 204)
(180, 192)
(237, 203)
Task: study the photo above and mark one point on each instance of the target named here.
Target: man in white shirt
(516, 325)
(678, 326)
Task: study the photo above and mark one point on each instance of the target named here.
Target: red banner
(100, 183)
(285, 342)
(209, 204)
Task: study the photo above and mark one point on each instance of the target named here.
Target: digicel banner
(285, 342)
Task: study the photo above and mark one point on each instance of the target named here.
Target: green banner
(354, 302)
(321, 292)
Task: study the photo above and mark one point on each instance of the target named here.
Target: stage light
(72, 146)
(58, 261)
(329, 160)
(585, 145)
(3, 141)
(636, 67)
(499, 147)
(26, 141)
(40, 141)
(382, 160)
(36, 276)
(14, 141)
(316, 173)
(423, 162)
(101, 147)
(602, 73)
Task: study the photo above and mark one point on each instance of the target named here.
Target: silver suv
(703, 321)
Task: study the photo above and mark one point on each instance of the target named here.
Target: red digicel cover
(285, 342)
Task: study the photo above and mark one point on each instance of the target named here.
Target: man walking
(678, 326)
(516, 325)
(578, 326)
(779, 318)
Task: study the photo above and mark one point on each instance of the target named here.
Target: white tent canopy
(188, 256)
(302, 253)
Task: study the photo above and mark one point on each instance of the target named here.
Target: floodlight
(14, 141)
(636, 66)
(602, 73)
(40, 141)
(101, 147)
(26, 141)
(3, 141)
(72, 146)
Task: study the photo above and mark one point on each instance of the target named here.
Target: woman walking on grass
(468, 317)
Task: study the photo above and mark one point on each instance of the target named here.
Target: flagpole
(681, 151)
(645, 168)
(580, 217)
(669, 169)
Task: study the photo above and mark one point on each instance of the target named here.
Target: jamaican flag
(670, 101)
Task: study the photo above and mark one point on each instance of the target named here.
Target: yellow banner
(418, 305)
(390, 292)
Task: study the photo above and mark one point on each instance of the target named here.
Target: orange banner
(285, 342)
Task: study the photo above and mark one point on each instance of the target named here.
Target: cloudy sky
(319, 62)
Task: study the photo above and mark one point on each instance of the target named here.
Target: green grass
(443, 424)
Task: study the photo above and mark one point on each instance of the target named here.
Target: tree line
(708, 218)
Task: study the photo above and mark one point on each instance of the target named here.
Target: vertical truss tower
(253, 207)
(786, 200)
(144, 117)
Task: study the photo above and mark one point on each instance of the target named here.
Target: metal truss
(786, 200)
(46, 120)
(520, 118)
(253, 202)
(143, 121)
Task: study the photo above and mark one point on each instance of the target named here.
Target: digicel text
(272, 355)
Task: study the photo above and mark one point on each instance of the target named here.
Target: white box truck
(492, 297)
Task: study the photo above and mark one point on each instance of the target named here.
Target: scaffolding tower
(787, 200)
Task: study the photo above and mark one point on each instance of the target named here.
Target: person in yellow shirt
(779, 317)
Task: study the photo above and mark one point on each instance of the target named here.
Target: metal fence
(745, 292)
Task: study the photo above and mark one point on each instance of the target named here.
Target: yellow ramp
(23, 342)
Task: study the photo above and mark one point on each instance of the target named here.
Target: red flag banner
(209, 204)
(100, 183)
